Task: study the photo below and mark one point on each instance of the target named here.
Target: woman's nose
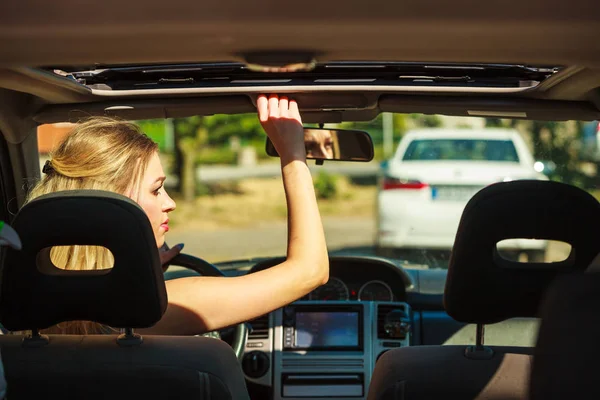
(169, 204)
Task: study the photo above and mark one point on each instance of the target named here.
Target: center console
(324, 350)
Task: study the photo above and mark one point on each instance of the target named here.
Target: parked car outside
(434, 172)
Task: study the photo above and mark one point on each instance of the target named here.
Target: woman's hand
(280, 118)
(167, 254)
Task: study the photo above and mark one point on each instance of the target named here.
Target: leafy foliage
(559, 142)
(222, 128)
(326, 185)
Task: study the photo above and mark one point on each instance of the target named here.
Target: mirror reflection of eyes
(315, 145)
(333, 144)
(319, 145)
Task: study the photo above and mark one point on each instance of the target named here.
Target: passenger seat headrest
(35, 294)
(484, 288)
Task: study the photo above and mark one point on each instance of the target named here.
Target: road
(344, 236)
(218, 173)
(225, 172)
(269, 239)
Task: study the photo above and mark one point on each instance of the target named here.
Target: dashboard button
(392, 344)
(255, 364)
(257, 344)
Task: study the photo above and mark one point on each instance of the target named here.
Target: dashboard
(327, 343)
(337, 289)
(357, 278)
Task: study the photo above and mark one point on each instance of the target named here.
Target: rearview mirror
(333, 144)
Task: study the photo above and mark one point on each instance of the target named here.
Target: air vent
(296, 362)
(382, 311)
(260, 328)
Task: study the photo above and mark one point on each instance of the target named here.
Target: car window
(235, 207)
(461, 150)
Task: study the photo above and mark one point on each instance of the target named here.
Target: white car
(432, 176)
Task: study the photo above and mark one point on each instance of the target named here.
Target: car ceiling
(556, 32)
(36, 33)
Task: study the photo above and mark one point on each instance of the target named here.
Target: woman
(321, 144)
(106, 154)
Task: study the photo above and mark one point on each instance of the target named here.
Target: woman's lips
(165, 225)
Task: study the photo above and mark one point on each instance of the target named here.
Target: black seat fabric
(36, 295)
(568, 348)
(443, 372)
(95, 367)
(484, 288)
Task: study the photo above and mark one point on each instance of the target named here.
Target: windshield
(232, 205)
(461, 150)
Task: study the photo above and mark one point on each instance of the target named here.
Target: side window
(49, 136)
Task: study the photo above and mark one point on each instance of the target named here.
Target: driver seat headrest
(35, 294)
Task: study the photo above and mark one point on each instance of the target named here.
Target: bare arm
(200, 304)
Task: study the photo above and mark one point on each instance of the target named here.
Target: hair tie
(47, 167)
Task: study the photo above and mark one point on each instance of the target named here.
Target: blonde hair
(100, 153)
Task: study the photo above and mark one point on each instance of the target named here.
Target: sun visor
(468, 106)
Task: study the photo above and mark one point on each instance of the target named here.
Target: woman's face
(154, 199)
(319, 144)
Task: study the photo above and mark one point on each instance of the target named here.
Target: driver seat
(36, 295)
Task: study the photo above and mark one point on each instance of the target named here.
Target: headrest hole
(533, 251)
(56, 260)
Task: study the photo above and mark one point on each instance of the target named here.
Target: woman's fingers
(262, 104)
(282, 125)
(276, 107)
(283, 107)
(294, 111)
(273, 106)
(167, 256)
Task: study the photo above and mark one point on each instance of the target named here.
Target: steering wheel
(204, 268)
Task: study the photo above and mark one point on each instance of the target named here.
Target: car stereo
(330, 328)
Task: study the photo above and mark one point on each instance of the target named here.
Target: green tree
(426, 120)
(190, 135)
(155, 129)
(223, 127)
(554, 141)
(199, 133)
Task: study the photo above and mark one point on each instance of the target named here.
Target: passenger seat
(484, 288)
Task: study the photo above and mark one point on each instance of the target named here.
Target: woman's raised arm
(200, 304)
